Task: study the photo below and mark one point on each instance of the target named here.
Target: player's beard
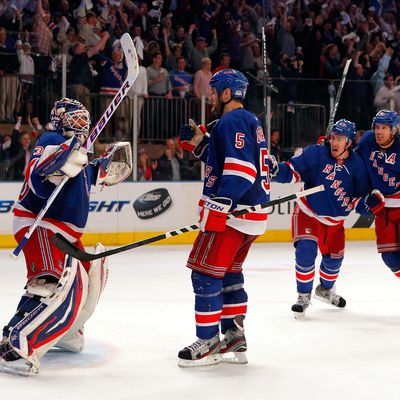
(217, 110)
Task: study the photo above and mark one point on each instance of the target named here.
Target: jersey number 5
(239, 141)
(264, 170)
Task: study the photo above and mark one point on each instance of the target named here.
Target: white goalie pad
(115, 165)
(41, 321)
(73, 340)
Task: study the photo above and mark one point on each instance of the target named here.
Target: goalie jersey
(345, 183)
(237, 167)
(383, 167)
(68, 213)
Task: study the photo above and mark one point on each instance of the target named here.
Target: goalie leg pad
(41, 321)
(73, 340)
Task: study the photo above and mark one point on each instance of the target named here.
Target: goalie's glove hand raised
(375, 201)
(214, 214)
(274, 168)
(115, 165)
(191, 135)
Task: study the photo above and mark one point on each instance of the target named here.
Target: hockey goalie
(61, 293)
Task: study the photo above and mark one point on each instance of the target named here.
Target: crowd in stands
(181, 43)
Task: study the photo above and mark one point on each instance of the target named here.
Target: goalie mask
(72, 118)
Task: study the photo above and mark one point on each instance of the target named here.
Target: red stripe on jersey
(329, 219)
(305, 277)
(231, 309)
(397, 274)
(61, 225)
(208, 318)
(328, 277)
(240, 168)
(294, 172)
(31, 165)
(254, 216)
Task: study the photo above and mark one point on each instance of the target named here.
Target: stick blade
(69, 248)
(131, 57)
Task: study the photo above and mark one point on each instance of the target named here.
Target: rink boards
(133, 211)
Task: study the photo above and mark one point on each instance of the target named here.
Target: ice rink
(146, 316)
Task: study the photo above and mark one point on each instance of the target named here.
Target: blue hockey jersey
(237, 167)
(344, 182)
(383, 167)
(69, 212)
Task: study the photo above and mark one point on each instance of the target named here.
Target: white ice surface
(146, 316)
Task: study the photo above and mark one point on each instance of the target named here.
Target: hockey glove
(115, 165)
(274, 169)
(375, 201)
(59, 160)
(214, 214)
(191, 135)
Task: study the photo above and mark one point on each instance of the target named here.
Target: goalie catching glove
(191, 135)
(59, 160)
(115, 165)
(214, 214)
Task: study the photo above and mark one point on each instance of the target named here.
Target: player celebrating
(61, 293)
(317, 220)
(380, 150)
(237, 176)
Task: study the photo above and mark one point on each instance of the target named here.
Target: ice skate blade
(299, 315)
(324, 300)
(18, 368)
(234, 357)
(213, 359)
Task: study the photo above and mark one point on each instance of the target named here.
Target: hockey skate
(201, 353)
(329, 296)
(234, 345)
(302, 303)
(12, 363)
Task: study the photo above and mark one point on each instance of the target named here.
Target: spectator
(20, 151)
(144, 168)
(181, 81)
(8, 81)
(201, 85)
(387, 98)
(81, 71)
(171, 166)
(142, 20)
(275, 148)
(90, 27)
(224, 62)
(26, 76)
(42, 31)
(377, 77)
(140, 87)
(201, 50)
(285, 38)
(158, 78)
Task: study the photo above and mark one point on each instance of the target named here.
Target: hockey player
(380, 149)
(61, 293)
(317, 220)
(237, 176)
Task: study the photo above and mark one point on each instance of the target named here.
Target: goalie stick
(133, 70)
(69, 248)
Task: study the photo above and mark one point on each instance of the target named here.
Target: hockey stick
(337, 99)
(133, 70)
(69, 248)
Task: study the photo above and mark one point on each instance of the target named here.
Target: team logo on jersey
(389, 158)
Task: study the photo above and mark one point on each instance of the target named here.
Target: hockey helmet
(72, 117)
(230, 79)
(387, 117)
(343, 127)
